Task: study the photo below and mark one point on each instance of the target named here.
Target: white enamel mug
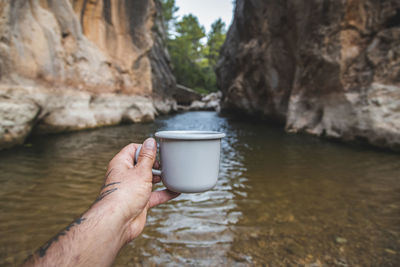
(189, 160)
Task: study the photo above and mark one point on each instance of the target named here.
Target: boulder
(209, 102)
(185, 96)
(17, 120)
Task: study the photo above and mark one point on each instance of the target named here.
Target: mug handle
(154, 171)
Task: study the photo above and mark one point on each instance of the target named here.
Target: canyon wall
(329, 68)
(76, 64)
(163, 81)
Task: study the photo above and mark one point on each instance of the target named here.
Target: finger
(156, 165)
(124, 157)
(159, 197)
(147, 154)
(156, 179)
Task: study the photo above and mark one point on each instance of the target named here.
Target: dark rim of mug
(190, 135)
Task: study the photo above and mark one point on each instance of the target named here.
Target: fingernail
(150, 143)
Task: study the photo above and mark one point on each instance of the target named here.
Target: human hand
(117, 216)
(127, 189)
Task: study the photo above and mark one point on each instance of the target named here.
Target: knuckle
(145, 154)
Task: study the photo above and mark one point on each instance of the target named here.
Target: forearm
(94, 239)
(117, 216)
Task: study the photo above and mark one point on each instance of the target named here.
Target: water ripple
(280, 199)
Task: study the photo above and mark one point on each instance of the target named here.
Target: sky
(207, 11)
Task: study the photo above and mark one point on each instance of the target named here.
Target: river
(281, 199)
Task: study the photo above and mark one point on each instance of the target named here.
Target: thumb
(147, 154)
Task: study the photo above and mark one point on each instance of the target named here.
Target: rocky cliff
(74, 64)
(163, 81)
(329, 68)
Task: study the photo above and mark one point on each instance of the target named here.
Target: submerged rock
(340, 240)
(328, 68)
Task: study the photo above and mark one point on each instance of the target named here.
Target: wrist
(110, 222)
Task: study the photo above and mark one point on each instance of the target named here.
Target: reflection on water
(280, 200)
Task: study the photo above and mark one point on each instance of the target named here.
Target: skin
(117, 216)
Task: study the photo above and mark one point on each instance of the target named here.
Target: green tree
(192, 60)
(189, 33)
(186, 52)
(215, 40)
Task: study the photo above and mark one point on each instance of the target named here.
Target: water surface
(281, 200)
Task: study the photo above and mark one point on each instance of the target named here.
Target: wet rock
(26, 109)
(197, 105)
(317, 263)
(341, 240)
(185, 96)
(17, 120)
(327, 68)
(254, 235)
(140, 110)
(239, 257)
(341, 262)
(208, 102)
(390, 251)
(165, 106)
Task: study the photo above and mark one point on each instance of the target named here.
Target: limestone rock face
(98, 46)
(17, 118)
(329, 68)
(75, 64)
(25, 109)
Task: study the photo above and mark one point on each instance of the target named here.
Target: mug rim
(190, 135)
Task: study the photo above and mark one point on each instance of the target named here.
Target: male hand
(117, 216)
(128, 187)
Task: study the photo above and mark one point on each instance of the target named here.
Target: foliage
(193, 59)
(216, 38)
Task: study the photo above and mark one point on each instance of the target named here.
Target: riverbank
(28, 110)
(75, 65)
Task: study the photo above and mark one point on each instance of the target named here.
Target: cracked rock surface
(75, 64)
(328, 68)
